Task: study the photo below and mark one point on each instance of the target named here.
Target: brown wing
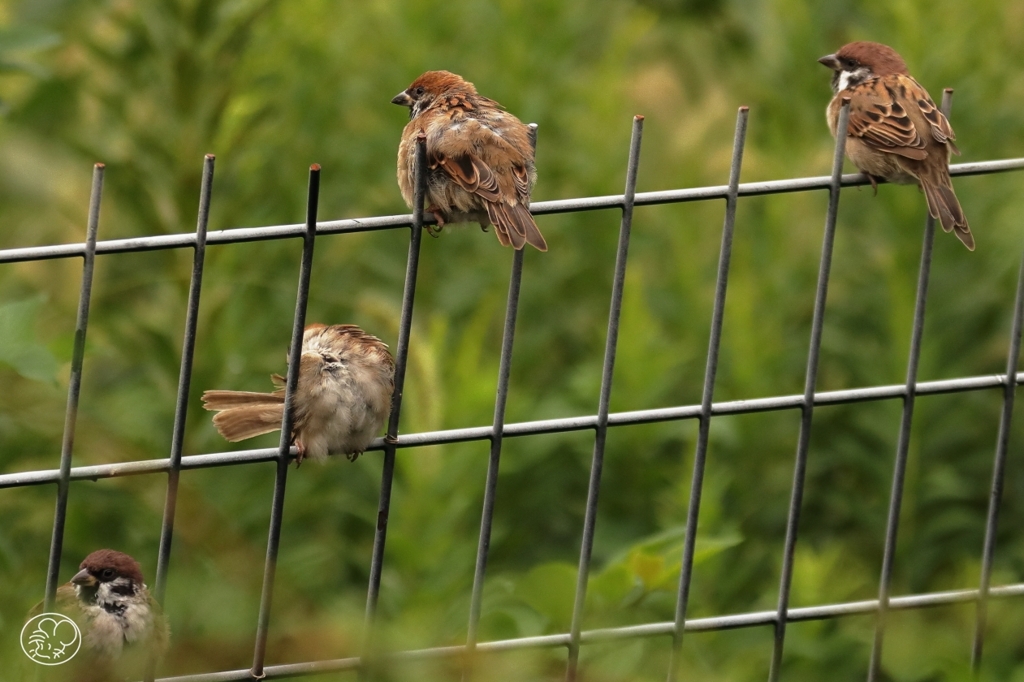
(486, 152)
(470, 173)
(512, 221)
(877, 118)
(938, 123)
(933, 172)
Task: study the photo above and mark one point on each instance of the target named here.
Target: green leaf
(611, 585)
(655, 562)
(550, 590)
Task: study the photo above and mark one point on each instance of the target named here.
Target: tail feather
(945, 207)
(240, 423)
(937, 207)
(533, 236)
(964, 235)
(222, 400)
(500, 221)
(245, 414)
(515, 226)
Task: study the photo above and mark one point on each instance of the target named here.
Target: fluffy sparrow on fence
(479, 158)
(342, 397)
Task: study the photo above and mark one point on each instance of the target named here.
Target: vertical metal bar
(401, 362)
(903, 444)
(711, 369)
(998, 474)
(284, 449)
(500, 399)
(618, 283)
(184, 378)
(74, 389)
(184, 383)
(810, 380)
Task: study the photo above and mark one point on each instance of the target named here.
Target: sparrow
(343, 395)
(895, 131)
(479, 158)
(123, 628)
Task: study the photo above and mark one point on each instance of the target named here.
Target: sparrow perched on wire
(479, 158)
(123, 628)
(342, 397)
(895, 131)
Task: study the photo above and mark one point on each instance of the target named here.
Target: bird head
(428, 87)
(106, 572)
(328, 349)
(856, 62)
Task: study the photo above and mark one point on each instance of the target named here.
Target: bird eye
(107, 573)
(419, 91)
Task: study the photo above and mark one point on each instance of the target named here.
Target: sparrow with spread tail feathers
(479, 158)
(895, 131)
(342, 397)
(122, 626)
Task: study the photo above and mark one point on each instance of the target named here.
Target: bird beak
(84, 578)
(831, 61)
(402, 99)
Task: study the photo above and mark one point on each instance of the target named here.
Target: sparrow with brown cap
(123, 628)
(895, 130)
(480, 163)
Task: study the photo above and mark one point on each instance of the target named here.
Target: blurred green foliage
(270, 87)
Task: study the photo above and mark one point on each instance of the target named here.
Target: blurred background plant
(270, 87)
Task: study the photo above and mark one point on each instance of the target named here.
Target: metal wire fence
(498, 430)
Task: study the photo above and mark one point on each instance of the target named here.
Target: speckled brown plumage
(479, 158)
(895, 130)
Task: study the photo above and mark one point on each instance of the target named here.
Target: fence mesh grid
(704, 413)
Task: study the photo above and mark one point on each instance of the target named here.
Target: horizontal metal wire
(715, 623)
(544, 426)
(251, 234)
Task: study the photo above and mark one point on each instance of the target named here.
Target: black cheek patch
(123, 590)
